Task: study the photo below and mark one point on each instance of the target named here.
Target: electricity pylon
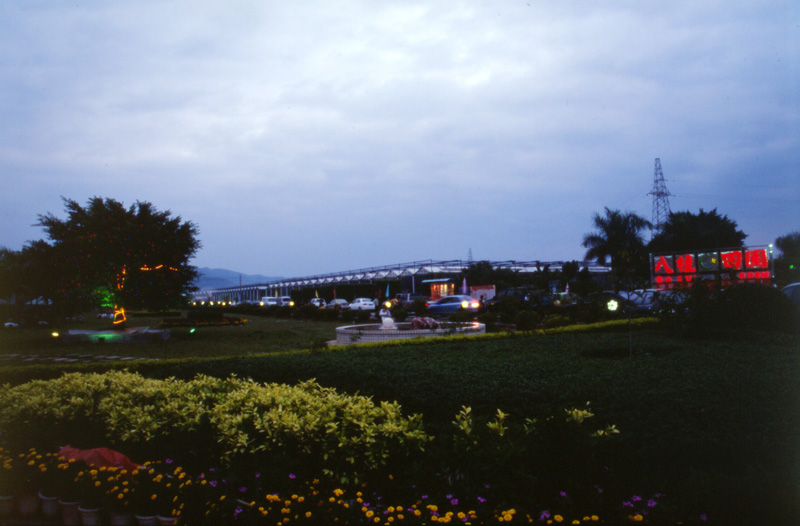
(660, 195)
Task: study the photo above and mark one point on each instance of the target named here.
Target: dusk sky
(311, 137)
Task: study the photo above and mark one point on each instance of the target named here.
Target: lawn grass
(713, 423)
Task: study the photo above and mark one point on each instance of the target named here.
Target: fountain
(389, 330)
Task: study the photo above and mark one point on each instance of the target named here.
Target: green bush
(527, 320)
(348, 315)
(462, 316)
(419, 307)
(362, 316)
(331, 314)
(230, 419)
(204, 314)
(755, 306)
(399, 313)
(556, 320)
(489, 319)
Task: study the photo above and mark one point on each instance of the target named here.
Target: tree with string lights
(106, 254)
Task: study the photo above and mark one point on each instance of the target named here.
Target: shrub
(348, 315)
(362, 316)
(556, 321)
(231, 419)
(462, 316)
(204, 314)
(489, 319)
(399, 313)
(527, 320)
(755, 306)
(311, 312)
(331, 314)
(419, 308)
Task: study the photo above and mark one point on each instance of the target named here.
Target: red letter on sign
(731, 260)
(685, 263)
(757, 258)
(662, 266)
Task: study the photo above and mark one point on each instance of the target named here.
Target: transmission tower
(660, 195)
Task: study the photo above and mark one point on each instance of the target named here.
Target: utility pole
(661, 209)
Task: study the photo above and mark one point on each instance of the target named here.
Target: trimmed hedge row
(217, 420)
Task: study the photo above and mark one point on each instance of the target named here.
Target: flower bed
(218, 496)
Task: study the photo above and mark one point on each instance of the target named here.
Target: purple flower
(627, 504)
(481, 500)
(292, 476)
(703, 517)
(544, 516)
(652, 503)
(448, 496)
(242, 489)
(169, 461)
(213, 483)
(236, 512)
(636, 498)
(258, 475)
(563, 493)
(454, 502)
(424, 497)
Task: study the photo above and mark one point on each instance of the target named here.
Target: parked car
(318, 302)
(793, 291)
(406, 300)
(285, 301)
(269, 301)
(452, 304)
(642, 300)
(362, 304)
(337, 304)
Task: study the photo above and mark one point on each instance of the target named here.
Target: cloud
(328, 135)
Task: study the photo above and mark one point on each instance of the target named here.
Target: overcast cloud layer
(312, 137)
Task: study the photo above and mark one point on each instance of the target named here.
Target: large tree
(136, 257)
(685, 231)
(787, 264)
(618, 241)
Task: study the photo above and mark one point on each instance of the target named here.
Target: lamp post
(613, 306)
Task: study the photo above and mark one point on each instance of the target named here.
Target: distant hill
(219, 278)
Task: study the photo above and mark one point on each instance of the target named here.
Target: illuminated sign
(748, 264)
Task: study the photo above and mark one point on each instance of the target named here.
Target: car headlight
(464, 304)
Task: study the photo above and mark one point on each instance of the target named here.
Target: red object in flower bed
(99, 456)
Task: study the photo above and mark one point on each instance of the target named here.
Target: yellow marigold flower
(558, 518)
(400, 516)
(595, 518)
(287, 503)
(576, 521)
(154, 496)
(308, 515)
(370, 513)
(417, 513)
(301, 499)
(338, 492)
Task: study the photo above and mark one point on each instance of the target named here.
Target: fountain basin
(375, 332)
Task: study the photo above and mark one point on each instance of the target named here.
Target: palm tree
(618, 241)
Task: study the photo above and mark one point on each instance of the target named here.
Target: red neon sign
(728, 266)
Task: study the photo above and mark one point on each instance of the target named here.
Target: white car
(362, 304)
(318, 302)
(338, 304)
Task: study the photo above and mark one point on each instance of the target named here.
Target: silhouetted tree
(137, 256)
(705, 230)
(617, 241)
(787, 264)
